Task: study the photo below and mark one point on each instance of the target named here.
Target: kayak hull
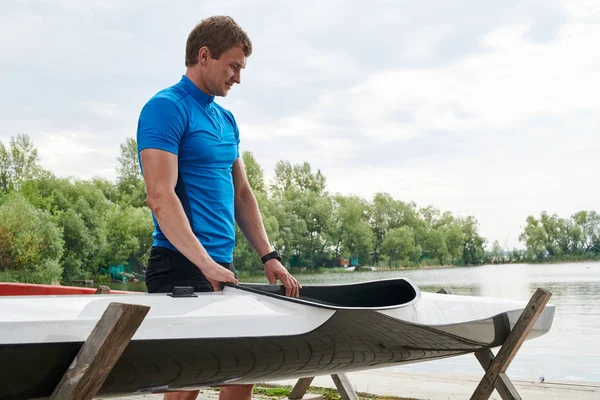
(316, 339)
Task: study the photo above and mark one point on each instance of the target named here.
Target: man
(195, 179)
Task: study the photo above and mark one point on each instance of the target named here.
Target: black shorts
(168, 268)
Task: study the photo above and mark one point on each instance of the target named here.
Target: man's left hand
(275, 270)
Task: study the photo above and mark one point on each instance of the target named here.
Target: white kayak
(250, 333)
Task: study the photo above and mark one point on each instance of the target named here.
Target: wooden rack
(495, 366)
(120, 321)
(101, 351)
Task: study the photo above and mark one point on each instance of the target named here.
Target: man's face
(223, 73)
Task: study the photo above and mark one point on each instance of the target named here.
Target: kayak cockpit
(374, 294)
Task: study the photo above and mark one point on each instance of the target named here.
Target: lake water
(569, 352)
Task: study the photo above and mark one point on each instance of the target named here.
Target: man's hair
(219, 34)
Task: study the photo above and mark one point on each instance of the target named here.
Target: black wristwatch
(270, 256)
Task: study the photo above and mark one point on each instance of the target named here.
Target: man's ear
(203, 55)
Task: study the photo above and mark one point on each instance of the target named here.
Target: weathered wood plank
(100, 352)
(446, 290)
(503, 385)
(300, 388)
(344, 387)
(102, 289)
(513, 343)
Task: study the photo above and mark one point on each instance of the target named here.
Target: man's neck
(197, 79)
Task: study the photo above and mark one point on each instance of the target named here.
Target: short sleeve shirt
(185, 121)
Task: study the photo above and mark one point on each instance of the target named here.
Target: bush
(31, 245)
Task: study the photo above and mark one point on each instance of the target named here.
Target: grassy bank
(282, 392)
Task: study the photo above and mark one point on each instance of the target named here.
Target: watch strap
(270, 256)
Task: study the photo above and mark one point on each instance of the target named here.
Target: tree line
(63, 229)
(553, 238)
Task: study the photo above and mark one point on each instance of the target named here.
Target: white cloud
(22, 25)
(532, 100)
(491, 112)
(106, 111)
(76, 154)
(514, 80)
(583, 10)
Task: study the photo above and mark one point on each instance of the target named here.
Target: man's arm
(247, 215)
(160, 174)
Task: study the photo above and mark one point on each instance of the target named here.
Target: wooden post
(446, 290)
(342, 383)
(495, 367)
(100, 352)
(300, 388)
(513, 343)
(102, 289)
(503, 384)
(344, 387)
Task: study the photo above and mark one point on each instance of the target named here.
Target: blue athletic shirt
(185, 121)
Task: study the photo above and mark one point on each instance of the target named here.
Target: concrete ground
(453, 387)
(205, 395)
(431, 387)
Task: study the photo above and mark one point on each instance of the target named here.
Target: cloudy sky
(482, 108)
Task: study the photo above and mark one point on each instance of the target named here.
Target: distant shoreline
(339, 270)
(448, 266)
(481, 265)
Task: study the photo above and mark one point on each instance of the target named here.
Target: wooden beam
(503, 385)
(513, 343)
(102, 289)
(342, 383)
(344, 387)
(300, 388)
(100, 352)
(446, 290)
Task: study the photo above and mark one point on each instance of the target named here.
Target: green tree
(497, 252)
(109, 189)
(387, 214)
(517, 255)
(297, 177)
(130, 183)
(551, 226)
(556, 238)
(435, 247)
(352, 235)
(130, 238)
(380, 220)
(315, 212)
(473, 251)
(78, 243)
(245, 258)
(254, 172)
(6, 183)
(535, 238)
(19, 162)
(399, 245)
(455, 240)
(31, 245)
(80, 209)
(431, 216)
(306, 213)
(589, 230)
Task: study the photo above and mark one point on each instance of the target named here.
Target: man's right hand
(217, 274)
